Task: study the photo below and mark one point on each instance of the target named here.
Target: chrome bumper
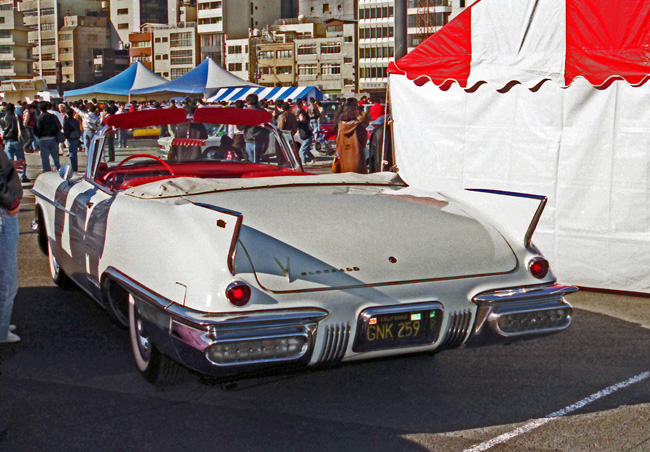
(505, 316)
(225, 344)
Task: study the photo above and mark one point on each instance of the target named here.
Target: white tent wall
(586, 149)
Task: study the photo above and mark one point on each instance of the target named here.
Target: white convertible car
(226, 266)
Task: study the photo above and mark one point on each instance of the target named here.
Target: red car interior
(133, 176)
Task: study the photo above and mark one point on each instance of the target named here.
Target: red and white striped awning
(530, 41)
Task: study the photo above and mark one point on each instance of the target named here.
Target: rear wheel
(153, 365)
(58, 275)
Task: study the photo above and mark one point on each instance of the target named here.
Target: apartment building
(15, 50)
(127, 16)
(327, 9)
(377, 35)
(275, 64)
(43, 18)
(80, 38)
(238, 58)
(329, 62)
(176, 50)
(220, 20)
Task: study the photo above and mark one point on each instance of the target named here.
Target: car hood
(303, 238)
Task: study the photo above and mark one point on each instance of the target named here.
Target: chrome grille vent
(459, 326)
(335, 343)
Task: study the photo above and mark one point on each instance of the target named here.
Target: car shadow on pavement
(73, 372)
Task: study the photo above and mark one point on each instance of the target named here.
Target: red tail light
(238, 293)
(538, 267)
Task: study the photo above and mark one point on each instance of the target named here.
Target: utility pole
(400, 29)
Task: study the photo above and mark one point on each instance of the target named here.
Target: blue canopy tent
(121, 87)
(204, 79)
(277, 93)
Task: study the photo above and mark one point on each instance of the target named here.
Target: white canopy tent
(537, 106)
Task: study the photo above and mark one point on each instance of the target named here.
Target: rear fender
(515, 215)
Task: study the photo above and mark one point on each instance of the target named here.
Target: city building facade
(329, 62)
(238, 58)
(328, 9)
(377, 35)
(80, 39)
(127, 16)
(15, 50)
(176, 50)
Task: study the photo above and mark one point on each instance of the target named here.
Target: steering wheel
(131, 157)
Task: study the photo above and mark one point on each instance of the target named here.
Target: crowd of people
(69, 127)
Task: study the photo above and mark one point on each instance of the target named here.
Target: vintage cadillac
(229, 263)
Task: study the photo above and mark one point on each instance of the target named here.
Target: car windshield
(133, 156)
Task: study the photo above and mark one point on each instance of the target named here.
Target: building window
(326, 7)
(47, 26)
(181, 57)
(267, 55)
(232, 67)
(122, 11)
(330, 47)
(331, 69)
(209, 5)
(234, 49)
(280, 70)
(307, 49)
(180, 40)
(210, 20)
(157, 40)
(285, 53)
(5, 49)
(177, 72)
(49, 72)
(122, 26)
(158, 57)
(347, 60)
(47, 11)
(307, 69)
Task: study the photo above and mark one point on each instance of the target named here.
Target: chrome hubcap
(143, 341)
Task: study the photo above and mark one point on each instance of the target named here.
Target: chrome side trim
(223, 321)
(56, 204)
(528, 237)
(524, 293)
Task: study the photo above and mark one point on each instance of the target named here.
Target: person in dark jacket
(11, 192)
(72, 132)
(256, 137)
(307, 137)
(46, 128)
(11, 132)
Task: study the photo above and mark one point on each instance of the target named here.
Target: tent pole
(383, 135)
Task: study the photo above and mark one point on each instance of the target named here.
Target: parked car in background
(228, 266)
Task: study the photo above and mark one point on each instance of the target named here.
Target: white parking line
(563, 412)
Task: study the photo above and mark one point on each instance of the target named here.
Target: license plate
(378, 329)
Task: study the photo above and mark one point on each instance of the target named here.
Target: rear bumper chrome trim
(508, 315)
(186, 334)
